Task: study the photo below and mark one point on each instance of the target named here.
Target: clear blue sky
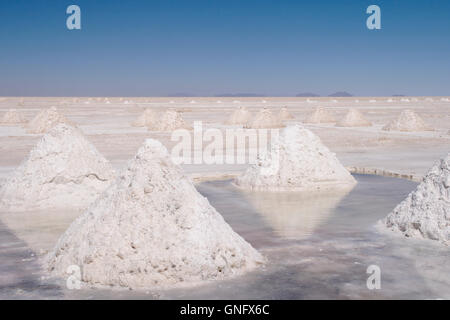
(205, 47)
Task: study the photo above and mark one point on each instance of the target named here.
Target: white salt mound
(285, 114)
(147, 118)
(12, 117)
(152, 229)
(407, 121)
(169, 121)
(354, 118)
(425, 213)
(320, 115)
(296, 161)
(240, 116)
(46, 120)
(264, 119)
(63, 169)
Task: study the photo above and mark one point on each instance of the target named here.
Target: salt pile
(12, 117)
(320, 115)
(264, 119)
(354, 118)
(152, 229)
(45, 120)
(285, 114)
(169, 121)
(240, 116)
(425, 213)
(296, 161)
(407, 121)
(63, 169)
(147, 118)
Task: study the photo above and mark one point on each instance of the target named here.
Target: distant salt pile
(372, 101)
(147, 118)
(407, 121)
(264, 119)
(389, 100)
(236, 101)
(218, 101)
(285, 114)
(152, 229)
(169, 121)
(46, 120)
(354, 118)
(404, 100)
(12, 117)
(297, 161)
(240, 116)
(320, 115)
(62, 170)
(425, 213)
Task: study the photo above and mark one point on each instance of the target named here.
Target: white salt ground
(296, 161)
(147, 118)
(320, 115)
(46, 120)
(152, 229)
(354, 118)
(12, 117)
(240, 116)
(63, 169)
(408, 121)
(264, 119)
(425, 213)
(169, 121)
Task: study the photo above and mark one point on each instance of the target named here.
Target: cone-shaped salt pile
(425, 213)
(240, 116)
(147, 118)
(46, 120)
(297, 161)
(12, 117)
(285, 114)
(264, 119)
(62, 170)
(152, 229)
(320, 115)
(354, 118)
(407, 121)
(169, 121)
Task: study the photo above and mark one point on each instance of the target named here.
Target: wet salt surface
(317, 247)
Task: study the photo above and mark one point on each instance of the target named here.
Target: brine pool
(318, 247)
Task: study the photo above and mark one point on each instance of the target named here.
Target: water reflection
(295, 215)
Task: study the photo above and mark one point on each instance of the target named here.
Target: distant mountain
(240, 95)
(181, 94)
(340, 94)
(307, 94)
(398, 95)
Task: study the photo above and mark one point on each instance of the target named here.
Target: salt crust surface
(296, 161)
(63, 169)
(152, 229)
(425, 213)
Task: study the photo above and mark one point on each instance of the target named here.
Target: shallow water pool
(317, 247)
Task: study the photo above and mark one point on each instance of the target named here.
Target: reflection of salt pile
(285, 114)
(407, 121)
(12, 116)
(169, 121)
(147, 118)
(63, 169)
(354, 118)
(297, 161)
(264, 119)
(240, 116)
(152, 229)
(320, 115)
(295, 215)
(45, 120)
(425, 212)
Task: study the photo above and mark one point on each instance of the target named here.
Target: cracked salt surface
(324, 257)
